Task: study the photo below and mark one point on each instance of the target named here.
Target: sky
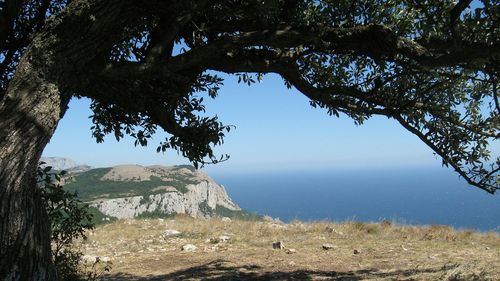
(276, 129)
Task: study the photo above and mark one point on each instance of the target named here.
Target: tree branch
(8, 15)
(481, 184)
(455, 15)
(163, 35)
(376, 41)
(39, 19)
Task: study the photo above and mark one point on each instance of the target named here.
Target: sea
(418, 196)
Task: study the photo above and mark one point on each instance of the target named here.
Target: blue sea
(410, 196)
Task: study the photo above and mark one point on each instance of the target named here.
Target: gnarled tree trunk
(30, 112)
(58, 63)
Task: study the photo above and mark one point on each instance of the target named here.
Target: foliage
(222, 211)
(189, 167)
(98, 217)
(156, 214)
(69, 220)
(431, 66)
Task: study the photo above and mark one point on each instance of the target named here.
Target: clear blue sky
(276, 129)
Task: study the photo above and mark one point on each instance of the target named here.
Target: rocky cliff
(201, 200)
(66, 164)
(128, 191)
(59, 163)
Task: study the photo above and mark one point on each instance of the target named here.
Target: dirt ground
(242, 250)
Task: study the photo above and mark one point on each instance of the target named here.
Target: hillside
(132, 180)
(129, 191)
(243, 250)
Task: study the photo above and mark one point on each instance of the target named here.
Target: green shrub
(222, 211)
(69, 220)
(98, 217)
(156, 214)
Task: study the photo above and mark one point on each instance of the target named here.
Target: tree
(432, 66)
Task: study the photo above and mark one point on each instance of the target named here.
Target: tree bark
(55, 66)
(30, 112)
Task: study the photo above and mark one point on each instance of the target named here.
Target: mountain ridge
(64, 164)
(131, 191)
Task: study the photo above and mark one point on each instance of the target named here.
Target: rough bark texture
(51, 70)
(30, 113)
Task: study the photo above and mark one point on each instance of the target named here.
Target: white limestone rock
(170, 233)
(189, 248)
(200, 201)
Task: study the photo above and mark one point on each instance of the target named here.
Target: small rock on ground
(220, 239)
(170, 233)
(328, 246)
(89, 258)
(333, 230)
(224, 238)
(189, 248)
(279, 245)
(267, 218)
(94, 259)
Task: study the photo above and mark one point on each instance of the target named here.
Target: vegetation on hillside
(219, 211)
(90, 186)
(184, 166)
(244, 215)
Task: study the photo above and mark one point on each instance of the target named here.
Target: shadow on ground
(219, 270)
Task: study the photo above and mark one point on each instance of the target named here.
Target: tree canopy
(431, 66)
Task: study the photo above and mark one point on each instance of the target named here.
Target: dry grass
(383, 251)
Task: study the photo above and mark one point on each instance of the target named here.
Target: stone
(333, 230)
(224, 238)
(356, 251)
(170, 233)
(220, 239)
(89, 258)
(291, 251)
(267, 218)
(328, 246)
(226, 219)
(189, 248)
(279, 245)
(94, 259)
(276, 225)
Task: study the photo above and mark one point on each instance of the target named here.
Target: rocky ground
(222, 249)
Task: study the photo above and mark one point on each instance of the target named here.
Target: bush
(69, 220)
